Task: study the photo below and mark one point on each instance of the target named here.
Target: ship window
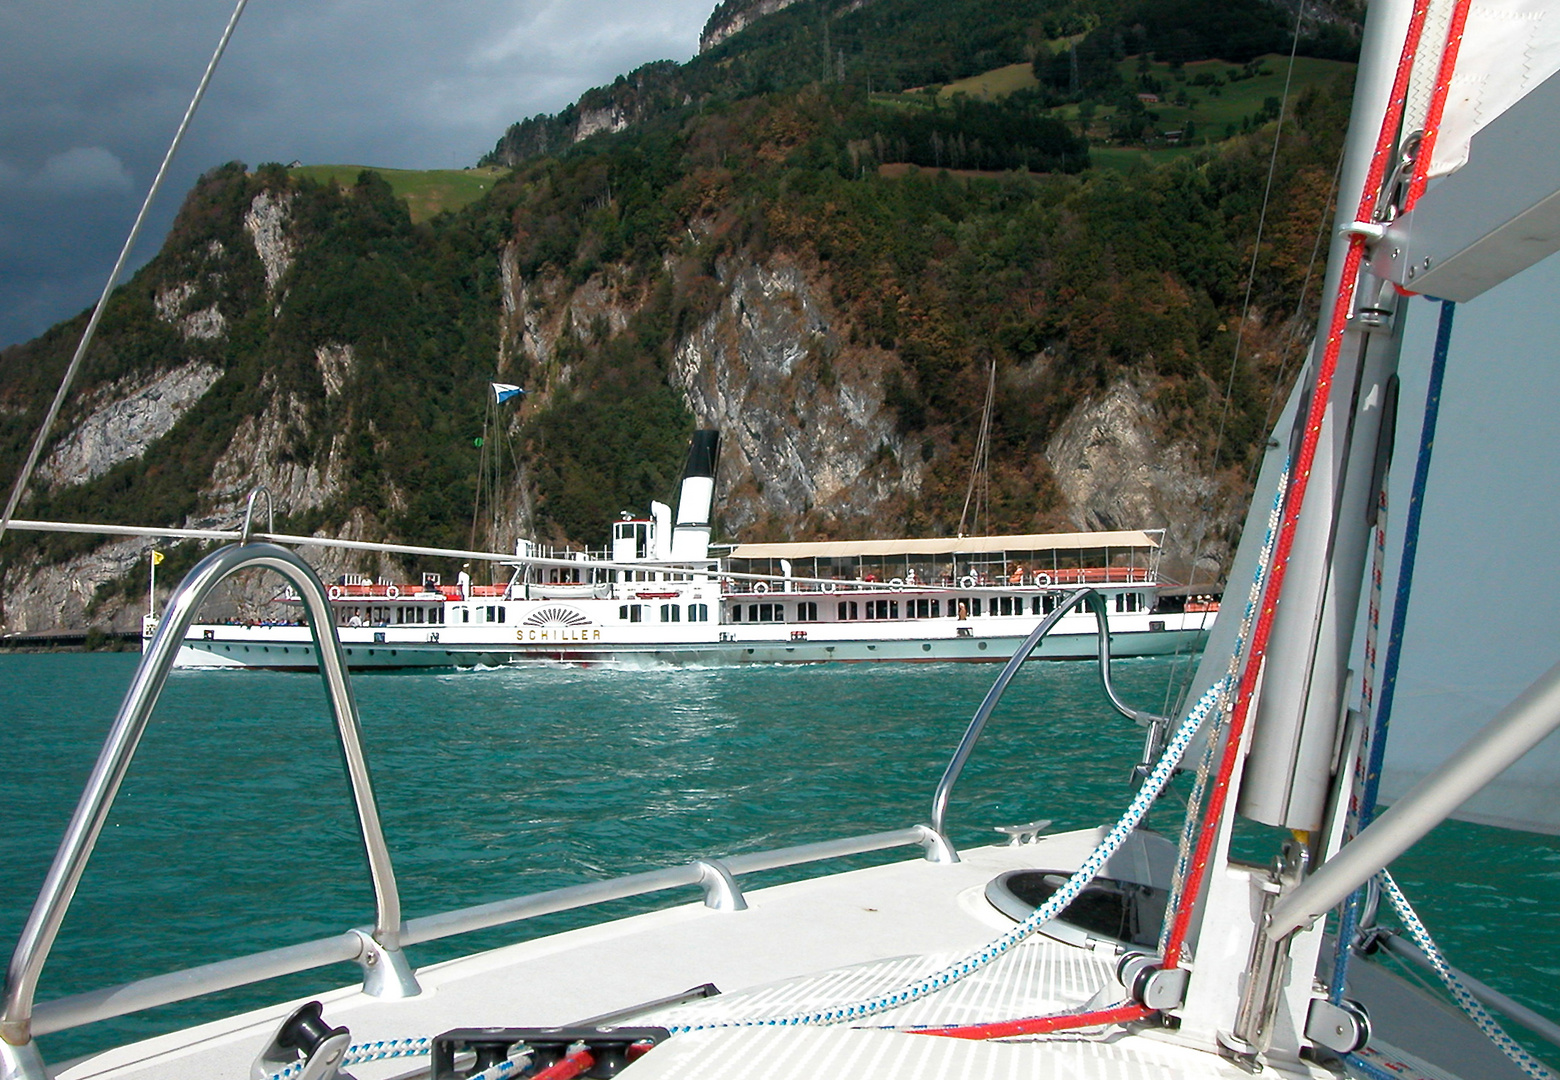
(736, 612)
(807, 611)
(1047, 603)
(1034, 606)
(975, 605)
(848, 611)
(698, 613)
(671, 613)
(465, 614)
(936, 609)
(893, 609)
(631, 612)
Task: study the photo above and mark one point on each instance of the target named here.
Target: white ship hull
(590, 633)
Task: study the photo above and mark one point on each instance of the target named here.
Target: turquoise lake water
(234, 831)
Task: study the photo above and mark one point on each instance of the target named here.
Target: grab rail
(713, 875)
(384, 963)
(1096, 603)
(379, 951)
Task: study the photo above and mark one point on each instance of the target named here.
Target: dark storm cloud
(90, 94)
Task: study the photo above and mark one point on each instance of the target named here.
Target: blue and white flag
(503, 391)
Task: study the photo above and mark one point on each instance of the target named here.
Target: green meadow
(427, 192)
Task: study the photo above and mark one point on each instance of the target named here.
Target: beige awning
(953, 545)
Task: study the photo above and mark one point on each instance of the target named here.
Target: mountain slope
(780, 257)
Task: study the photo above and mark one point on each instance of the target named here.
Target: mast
(1259, 941)
(1287, 778)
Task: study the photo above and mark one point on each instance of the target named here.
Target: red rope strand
(1443, 84)
(1299, 480)
(1041, 1025)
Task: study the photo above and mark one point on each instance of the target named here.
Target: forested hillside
(803, 236)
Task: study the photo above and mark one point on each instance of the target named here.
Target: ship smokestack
(691, 537)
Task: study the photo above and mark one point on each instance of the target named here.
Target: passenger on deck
(463, 580)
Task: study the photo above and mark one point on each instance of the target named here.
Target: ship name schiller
(568, 633)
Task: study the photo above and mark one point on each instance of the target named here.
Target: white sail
(1484, 619)
(1508, 48)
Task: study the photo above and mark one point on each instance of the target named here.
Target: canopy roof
(952, 545)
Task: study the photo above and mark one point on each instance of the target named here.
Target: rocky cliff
(746, 266)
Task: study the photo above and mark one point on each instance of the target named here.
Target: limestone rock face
(799, 432)
(735, 21)
(255, 457)
(1116, 474)
(126, 419)
(266, 223)
(42, 598)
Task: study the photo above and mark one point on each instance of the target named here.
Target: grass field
(1214, 109)
(427, 191)
(990, 85)
(1126, 159)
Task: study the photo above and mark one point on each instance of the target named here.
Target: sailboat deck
(835, 938)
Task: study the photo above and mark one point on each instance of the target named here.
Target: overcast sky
(91, 93)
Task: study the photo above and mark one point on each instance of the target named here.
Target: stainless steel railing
(379, 950)
(1095, 601)
(715, 877)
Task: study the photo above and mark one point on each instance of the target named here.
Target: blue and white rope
(358, 1053)
(1460, 993)
(1224, 686)
(975, 961)
(385, 1049)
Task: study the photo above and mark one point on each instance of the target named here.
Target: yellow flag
(157, 558)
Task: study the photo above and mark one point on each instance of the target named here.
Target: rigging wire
(1256, 244)
(1454, 986)
(980, 478)
(1240, 330)
(1326, 215)
(74, 366)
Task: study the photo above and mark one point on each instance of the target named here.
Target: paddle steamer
(659, 595)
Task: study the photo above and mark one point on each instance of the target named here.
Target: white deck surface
(832, 938)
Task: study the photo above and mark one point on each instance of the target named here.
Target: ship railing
(1095, 602)
(1063, 578)
(377, 949)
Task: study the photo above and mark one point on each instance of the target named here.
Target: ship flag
(503, 391)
